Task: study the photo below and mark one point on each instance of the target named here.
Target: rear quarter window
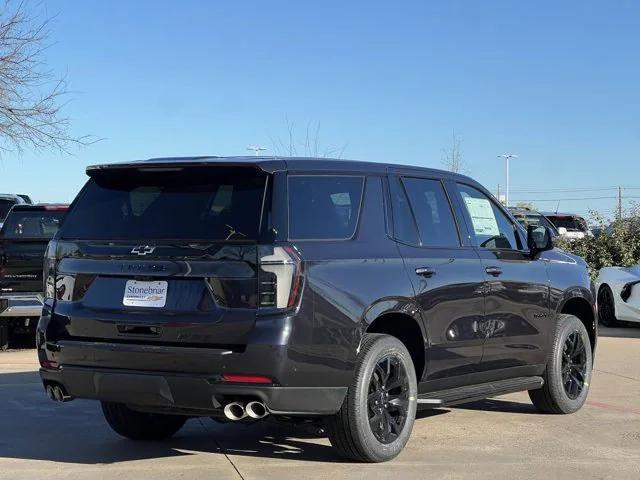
(324, 207)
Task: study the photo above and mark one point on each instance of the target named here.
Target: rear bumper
(21, 305)
(189, 394)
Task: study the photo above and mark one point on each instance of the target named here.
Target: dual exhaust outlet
(237, 411)
(57, 393)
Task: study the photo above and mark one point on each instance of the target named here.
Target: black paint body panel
(475, 328)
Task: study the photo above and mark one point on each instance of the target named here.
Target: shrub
(617, 244)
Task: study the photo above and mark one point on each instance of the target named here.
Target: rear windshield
(223, 204)
(572, 224)
(5, 206)
(534, 220)
(35, 224)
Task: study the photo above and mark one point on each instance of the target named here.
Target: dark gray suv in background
(348, 292)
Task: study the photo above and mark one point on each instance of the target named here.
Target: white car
(618, 295)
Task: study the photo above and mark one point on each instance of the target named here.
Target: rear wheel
(606, 307)
(376, 418)
(568, 372)
(139, 425)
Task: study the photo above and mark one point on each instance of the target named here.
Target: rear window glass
(324, 207)
(572, 224)
(5, 206)
(36, 224)
(535, 220)
(433, 212)
(222, 204)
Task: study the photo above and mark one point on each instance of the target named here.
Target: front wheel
(376, 418)
(606, 307)
(139, 425)
(568, 372)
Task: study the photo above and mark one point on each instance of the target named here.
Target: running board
(471, 393)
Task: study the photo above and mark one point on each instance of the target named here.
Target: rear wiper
(232, 232)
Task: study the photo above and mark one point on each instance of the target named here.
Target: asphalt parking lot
(493, 439)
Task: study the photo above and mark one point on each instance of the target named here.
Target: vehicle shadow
(628, 330)
(34, 428)
(500, 405)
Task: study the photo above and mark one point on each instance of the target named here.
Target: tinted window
(36, 224)
(324, 207)
(535, 220)
(404, 227)
(432, 211)
(572, 224)
(189, 204)
(5, 206)
(491, 226)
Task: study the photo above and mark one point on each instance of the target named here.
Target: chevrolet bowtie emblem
(142, 249)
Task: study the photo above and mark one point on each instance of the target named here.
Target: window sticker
(482, 217)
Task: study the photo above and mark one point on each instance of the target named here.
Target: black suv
(347, 292)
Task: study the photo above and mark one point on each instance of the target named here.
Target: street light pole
(507, 157)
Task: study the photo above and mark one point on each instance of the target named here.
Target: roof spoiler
(168, 166)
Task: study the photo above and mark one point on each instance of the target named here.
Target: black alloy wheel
(606, 307)
(388, 399)
(574, 365)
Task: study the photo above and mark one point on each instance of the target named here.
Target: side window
(432, 211)
(324, 207)
(491, 226)
(404, 227)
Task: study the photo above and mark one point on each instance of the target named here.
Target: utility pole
(256, 149)
(507, 157)
(619, 203)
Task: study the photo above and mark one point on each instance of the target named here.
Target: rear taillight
(281, 277)
(49, 271)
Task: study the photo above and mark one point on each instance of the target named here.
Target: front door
(517, 316)
(446, 275)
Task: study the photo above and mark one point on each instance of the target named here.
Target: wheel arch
(404, 323)
(582, 305)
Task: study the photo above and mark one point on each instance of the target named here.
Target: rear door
(166, 255)
(517, 317)
(446, 275)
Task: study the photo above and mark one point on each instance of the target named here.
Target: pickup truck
(24, 236)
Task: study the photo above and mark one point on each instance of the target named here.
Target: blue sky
(555, 82)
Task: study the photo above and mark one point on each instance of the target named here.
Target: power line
(576, 199)
(574, 190)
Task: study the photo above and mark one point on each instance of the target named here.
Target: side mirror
(562, 230)
(539, 239)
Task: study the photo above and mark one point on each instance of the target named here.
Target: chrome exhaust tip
(60, 395)
(235, 411)
(50, 393)
(256, 409)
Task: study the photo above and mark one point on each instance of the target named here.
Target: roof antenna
(256, 149)
(558, 207)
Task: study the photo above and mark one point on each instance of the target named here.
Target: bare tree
(308, 146)
(30, 95)
(452, 155)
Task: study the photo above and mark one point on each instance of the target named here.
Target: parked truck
(24, 236)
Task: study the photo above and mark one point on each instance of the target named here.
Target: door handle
(495, 271)
(425, 271)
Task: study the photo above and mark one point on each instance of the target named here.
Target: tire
(139, 425)
(349, 430)
(606, 307)
(568, 373)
